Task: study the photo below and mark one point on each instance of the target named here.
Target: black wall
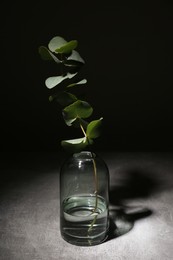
(128, 53)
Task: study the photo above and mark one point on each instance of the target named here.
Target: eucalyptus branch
(74, 110)
(70, 62)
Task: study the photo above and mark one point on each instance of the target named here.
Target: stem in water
(95, 186)
(96, 194)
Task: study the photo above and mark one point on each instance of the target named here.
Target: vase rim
(85, 155)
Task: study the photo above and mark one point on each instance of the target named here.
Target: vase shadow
(121, 222)
(133, 186)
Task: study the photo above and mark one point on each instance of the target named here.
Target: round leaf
(70, 122)
(75, 145)
(93, 128)
(56, 42)
(67, 48)
(82, 82)
(44, 53)
(75, 56)
(79, 109)
(51, 82)
(47, 55)
(63, 98)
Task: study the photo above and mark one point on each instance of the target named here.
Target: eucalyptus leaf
(72, 64)
(75, 145)
(67, 48)
(63, 98)
(93, 128)
(47, 55)
(56, 42)
(82, 82)
(79, 109)
(51, 82)
(44, 53)
(70, 122)
(75, 56)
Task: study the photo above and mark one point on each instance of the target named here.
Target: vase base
(82, 223)
(84, 241)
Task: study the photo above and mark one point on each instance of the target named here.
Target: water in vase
(84, 219)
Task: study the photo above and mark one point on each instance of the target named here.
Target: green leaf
(75, 56)
(79, 109)
(63, 98)
(82, 82)
(70, 121)
(72, 64)
(68, 47)
(93, 128)
(56, 42)
(47, 55)
(51, 82)
(75, 145)
(44, 53)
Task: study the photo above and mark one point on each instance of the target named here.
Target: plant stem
(96, 194)
(95, 184)
(83, 130)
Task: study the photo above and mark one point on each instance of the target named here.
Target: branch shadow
(132, 185)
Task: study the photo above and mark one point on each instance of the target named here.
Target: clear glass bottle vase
(84, 199)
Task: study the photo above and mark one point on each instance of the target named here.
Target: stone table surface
(141, 208)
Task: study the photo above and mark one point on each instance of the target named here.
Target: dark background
(128, 53)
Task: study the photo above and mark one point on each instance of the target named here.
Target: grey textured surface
(141, 209)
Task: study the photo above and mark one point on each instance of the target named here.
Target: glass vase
(84, 199)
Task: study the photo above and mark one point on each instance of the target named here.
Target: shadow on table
(122, 222)
(132, 186)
